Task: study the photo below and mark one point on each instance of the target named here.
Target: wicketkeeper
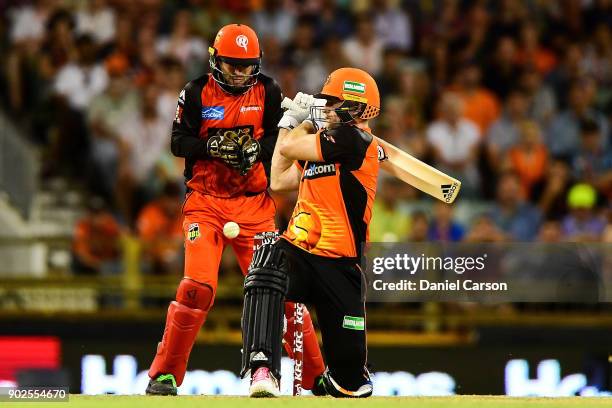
(225, 128)
(332, 158)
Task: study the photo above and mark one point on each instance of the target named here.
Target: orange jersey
(336, 194)
(204, 110)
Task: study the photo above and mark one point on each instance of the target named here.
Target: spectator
(143, 138)
(484, 230)
(512, 214)
(79, 82)
(582, 224)
(332, 21)
(592, 163)
(302, 54)
(390, 73)
(550, 232)
(28, 21)
(529, 158)
(107, 115)
(479, 104)
(183, 45)
(96, 19)
(274, 21)
(502, 72)
(160, 230)
(569, 71)
(563, 134)
(364, 49)
(454, 140)
(532, 53)
(169, 79)
(549, 194)
(389, 224)
(442, 227)
(392, 24)
(420, 226)
(472, 45)
(331, 57)
(96, 249)
(209, 16)
(542, 101)
(505, 132)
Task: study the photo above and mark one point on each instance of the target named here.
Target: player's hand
(305, 101)
(224, 148)
(298, 110)
(250, 154)
(292, 118)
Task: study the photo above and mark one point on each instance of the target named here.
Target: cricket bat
(409, 169)
(418, 174)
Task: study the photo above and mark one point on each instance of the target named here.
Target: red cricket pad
(182, 326)
(313, 360)
(195, 295)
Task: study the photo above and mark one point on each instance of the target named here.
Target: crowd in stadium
(514, 98)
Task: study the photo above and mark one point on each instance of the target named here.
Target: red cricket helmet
(238, 45)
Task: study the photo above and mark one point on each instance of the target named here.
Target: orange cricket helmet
(238, 45)
(357, 88)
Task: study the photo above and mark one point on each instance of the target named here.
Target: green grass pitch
(313, 402)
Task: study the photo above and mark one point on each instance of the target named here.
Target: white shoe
(263, 384)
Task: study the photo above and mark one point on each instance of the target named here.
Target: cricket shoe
(163, 385)
(263, 384)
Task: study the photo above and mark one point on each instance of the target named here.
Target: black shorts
(336, 290)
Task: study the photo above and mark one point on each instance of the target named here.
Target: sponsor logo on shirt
(316, 170)
(249, 108)
(350, 86)
(213, 112)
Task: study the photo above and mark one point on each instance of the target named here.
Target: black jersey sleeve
(186, 126)
(272, 115)
(346, 145)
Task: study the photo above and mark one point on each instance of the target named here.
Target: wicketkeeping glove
(250, 153)
(224, 148)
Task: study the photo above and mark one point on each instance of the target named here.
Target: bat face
(419, 174)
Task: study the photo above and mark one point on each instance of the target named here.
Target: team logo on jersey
(242, 41)
(305, 226)
(193, 232)
(316, 170)
(213, 112)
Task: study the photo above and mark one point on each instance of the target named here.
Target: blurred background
(514, 98)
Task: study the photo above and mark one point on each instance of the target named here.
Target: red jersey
(204, 110)
(336, 194)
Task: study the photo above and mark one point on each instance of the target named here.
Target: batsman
(226, 128)
(333, 160)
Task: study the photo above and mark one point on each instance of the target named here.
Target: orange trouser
(204, 218)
